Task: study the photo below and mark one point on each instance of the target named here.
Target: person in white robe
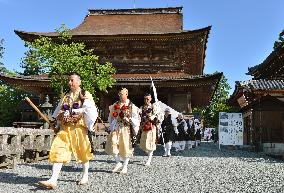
(124, 125)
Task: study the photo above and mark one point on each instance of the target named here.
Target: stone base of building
(274, 149)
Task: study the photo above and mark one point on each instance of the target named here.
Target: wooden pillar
(188, 99)
(170, 99)
(104, 103)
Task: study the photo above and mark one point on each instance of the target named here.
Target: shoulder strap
(83, 93)
(152, 105)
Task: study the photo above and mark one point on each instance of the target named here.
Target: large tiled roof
(127, 21)
(36, 84)
(179, 35)
(41, 77)
(262, 84)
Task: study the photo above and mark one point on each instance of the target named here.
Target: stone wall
(27, 144)
(273, 148)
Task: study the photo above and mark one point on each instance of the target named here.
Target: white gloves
(77, 111)
(66, 113)
(176, 130)
(152, 117)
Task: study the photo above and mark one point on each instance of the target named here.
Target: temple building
(140, 43)
(261, 100)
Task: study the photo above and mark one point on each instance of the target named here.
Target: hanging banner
(231, 128)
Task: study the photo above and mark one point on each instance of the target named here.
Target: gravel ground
(203, 169)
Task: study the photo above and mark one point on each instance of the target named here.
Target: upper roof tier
(271, 67)
(129, 21)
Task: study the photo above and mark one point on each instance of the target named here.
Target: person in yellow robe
(148, 127)
(76, 113)
(124, 122)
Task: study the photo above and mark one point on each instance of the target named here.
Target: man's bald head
(74, 81)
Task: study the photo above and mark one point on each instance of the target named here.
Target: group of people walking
(76, 115)
(186, 134)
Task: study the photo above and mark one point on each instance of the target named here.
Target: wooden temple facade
(261, 101)
(140, 43)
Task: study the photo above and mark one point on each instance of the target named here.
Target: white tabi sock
(165, 149)
(149, 158)
(55, 172)
(189, 145)
(197, 142)
(169, 146)
(118, 163)
(125, 163)
(85, 172)
(182, 145)
(176, 145)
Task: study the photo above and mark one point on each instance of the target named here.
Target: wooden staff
(40, 113)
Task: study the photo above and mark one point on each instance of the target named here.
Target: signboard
(231, 128)
(242, 101)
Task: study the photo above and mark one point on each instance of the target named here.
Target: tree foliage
(10, 100)
(210, 113)
(280, 42)
(1, 49)
(10, 97)
(26, 64)
(2, 68)
(59, 57)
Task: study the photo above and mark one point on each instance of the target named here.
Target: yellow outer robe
(72, 138)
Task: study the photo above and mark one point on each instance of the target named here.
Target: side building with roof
(261, 101)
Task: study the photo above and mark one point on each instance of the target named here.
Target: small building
(264, 121)
(261, 100)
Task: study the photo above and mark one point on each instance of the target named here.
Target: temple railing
(31, 145)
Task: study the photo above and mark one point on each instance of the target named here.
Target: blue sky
(242, 35)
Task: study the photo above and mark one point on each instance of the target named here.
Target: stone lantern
(46, 109)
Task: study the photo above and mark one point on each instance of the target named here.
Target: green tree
(10, 98)
(58, 57)
(218, 103)
(2, 68)
(30, 69)
(280, 42)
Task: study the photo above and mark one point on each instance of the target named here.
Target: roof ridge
(262, 84)
(166, 10)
